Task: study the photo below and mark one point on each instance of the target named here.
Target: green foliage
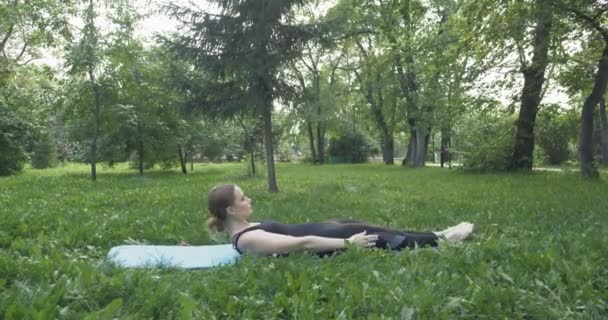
(27, 26)
(351, 147)
(485, 140)
(13, 135)
(538, 251)
(229, 49)
(27, 101)
(44, 152)
(556, 131)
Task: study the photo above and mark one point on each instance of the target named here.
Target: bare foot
(458, 232)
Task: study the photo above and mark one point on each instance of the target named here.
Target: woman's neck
(235, 225)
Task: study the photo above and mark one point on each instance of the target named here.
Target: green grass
(539, 250)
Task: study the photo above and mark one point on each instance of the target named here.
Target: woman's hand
(363, 239)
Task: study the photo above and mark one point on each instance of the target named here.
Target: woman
(230, 208)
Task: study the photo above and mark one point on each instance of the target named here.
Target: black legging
(389, 238)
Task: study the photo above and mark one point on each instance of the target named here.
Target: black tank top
(341, 229)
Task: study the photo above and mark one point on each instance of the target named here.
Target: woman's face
(241, 207)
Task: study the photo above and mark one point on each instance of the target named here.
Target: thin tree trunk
(445, 146)
(97, 125)
(319, 116)
(252, 161)
(311, 138)
(267, 114)
(588, 168)
(604, 122)
(182, 158)
(433, 147)
(320, 143)
(191, 156)
(141, 149)
(534, 77)
(250, 146)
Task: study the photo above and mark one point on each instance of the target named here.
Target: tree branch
(22, 51)
(592, 21)
(361, 48)
(26, 61)
(335, 67)
(6, 37)
(521, 55)
(306, 65)
(312, 61)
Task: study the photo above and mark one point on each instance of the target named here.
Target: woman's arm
(262, 242)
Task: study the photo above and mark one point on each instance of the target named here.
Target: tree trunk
(421, 145)
(97, 125)
(311, 138)
(252, 161)
(411, 147)
(320, 142)
(588, 168)
(319, 116)
(388, 149)
(182, 159)
(267, 114)
(433, 147)
(604, 122)
(191, 156)
(376, 106)
(385, 132)
(445, 146)
(534, 76)
(409, 85)
(141, 149)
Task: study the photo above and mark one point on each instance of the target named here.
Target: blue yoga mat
(187, 257)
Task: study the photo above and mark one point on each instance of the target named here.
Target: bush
(353, 147)
(555, 130)
(13, 135)
(44, 152)
(486, 141)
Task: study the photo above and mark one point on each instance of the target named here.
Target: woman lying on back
(230, 209)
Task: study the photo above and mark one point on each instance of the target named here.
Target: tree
(556, 131)
(26, 27)
(534, 76)
(592, 15)
(604, 121)
(13, 135)
(148, 123)
(84, 58)
(242, 49)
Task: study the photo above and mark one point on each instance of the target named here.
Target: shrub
(44, 152)
(555, 130)
(353, 147)
(13, 135)
(486, 141)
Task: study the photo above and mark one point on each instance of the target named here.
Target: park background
(410, 113)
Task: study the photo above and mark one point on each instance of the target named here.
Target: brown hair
(220, 198)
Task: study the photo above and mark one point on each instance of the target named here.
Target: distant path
(430, 164)
(534, 168)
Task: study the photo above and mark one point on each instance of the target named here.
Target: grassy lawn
(540, 249)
